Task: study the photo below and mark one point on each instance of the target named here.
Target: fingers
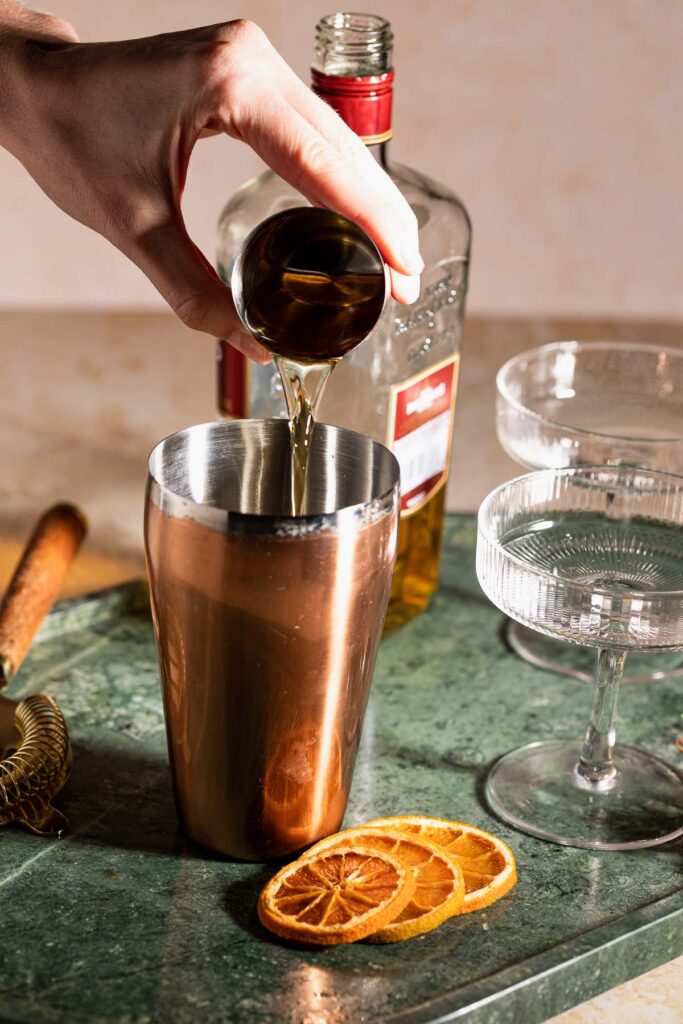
(300, 155)
(356, 156)
(184, 277)
(307, 144)
(404, 289)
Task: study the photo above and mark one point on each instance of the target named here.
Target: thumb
(184, 277)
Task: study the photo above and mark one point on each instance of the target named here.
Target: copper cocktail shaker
(267, 624)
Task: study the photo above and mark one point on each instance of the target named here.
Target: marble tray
(124, 921)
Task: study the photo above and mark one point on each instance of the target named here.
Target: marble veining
(125, 921)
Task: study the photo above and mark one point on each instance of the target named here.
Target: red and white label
(421, 430)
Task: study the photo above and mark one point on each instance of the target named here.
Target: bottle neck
(352, 71)
(364, 102)
(380, 152)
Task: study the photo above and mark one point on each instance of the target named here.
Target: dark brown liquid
(266, 660)
(313, 285)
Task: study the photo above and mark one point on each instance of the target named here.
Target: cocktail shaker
(267, 624)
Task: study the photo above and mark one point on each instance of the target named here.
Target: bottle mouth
(353, 44)
(363, 24)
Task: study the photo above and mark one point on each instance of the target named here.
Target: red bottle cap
(363, 103)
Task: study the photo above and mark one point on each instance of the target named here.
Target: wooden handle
(36, 583)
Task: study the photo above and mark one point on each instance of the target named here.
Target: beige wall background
(558, 122)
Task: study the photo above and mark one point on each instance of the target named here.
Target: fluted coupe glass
(594, 556)
(578, 403)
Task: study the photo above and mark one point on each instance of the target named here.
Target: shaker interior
(244, 466)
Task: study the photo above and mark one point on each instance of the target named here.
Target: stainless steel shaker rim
(233, 476)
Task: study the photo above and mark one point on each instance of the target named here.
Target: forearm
(23, 33)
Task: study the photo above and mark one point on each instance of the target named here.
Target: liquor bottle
(400, 386)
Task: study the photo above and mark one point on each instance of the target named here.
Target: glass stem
(596, 769)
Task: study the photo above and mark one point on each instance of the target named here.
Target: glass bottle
(400, 386)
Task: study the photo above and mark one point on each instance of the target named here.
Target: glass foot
(579, 662)
(535, 790)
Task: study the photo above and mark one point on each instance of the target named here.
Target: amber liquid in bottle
(417, 565)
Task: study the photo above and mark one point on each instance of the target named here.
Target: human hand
(107, 130)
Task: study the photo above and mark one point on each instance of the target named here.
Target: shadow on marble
(122, 798)
(241, 897)
(427, 758)
(473, 594)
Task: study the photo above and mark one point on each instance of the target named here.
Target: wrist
(10, 85)
(16, 89)
(24, 36)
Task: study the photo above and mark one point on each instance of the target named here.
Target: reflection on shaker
(303, 789)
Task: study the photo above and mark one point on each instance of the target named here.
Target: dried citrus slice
(439, 884)
(487, 863)
(339, 895)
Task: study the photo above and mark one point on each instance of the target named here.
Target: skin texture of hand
(107, 130)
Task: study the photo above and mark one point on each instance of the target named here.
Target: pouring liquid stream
(310, 285)
(303, 385)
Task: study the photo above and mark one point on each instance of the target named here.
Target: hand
(107, 130)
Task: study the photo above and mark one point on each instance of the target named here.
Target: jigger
(34, 741)
(310, 285)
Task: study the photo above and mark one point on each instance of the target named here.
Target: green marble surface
(125, 921)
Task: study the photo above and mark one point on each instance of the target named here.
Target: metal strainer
(34, 741)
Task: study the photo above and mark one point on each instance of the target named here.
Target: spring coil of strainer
(37, 769)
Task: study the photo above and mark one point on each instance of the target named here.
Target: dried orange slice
(338, 895)
(487, 863)
(439, 883)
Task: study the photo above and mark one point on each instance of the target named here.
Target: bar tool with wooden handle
(34, 741)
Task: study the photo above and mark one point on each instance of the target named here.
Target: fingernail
(410, 287)
(249, 346)
(261, 355)
(414, 263)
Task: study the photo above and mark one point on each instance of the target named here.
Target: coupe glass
(591, 403)
(592, 555)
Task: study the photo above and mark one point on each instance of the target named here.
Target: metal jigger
(289, 285)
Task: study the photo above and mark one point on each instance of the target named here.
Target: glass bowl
(576, 403)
